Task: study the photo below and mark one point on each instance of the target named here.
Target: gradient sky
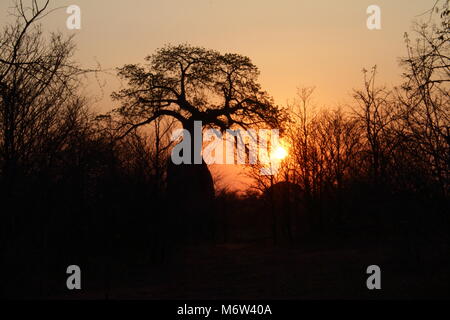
(293, 42)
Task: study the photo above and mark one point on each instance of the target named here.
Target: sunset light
(223, 159)
(280, 153)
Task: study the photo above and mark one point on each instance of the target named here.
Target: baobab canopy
(193, 83)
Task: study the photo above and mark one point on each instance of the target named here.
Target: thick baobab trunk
(190, 195)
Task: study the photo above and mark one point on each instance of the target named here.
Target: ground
(261, 271)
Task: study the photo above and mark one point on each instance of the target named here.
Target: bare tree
(377, 113)
(41, 116)
(426, 96)
(38, 100)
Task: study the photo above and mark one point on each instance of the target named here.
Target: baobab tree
(194, 84)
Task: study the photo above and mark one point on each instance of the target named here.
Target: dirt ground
(256, 271)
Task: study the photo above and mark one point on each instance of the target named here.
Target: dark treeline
(87, 189)
(379, 166)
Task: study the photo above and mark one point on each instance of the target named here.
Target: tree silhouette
(195, 84)
(425, 97)
(42, 119)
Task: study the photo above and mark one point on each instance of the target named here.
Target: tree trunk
(190, 195)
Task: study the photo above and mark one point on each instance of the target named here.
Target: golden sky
(293, 42)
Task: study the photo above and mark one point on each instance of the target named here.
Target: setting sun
(279, 153)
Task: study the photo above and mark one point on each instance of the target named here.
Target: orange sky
(294, 42)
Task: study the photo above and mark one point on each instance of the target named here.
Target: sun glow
(279, 153)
